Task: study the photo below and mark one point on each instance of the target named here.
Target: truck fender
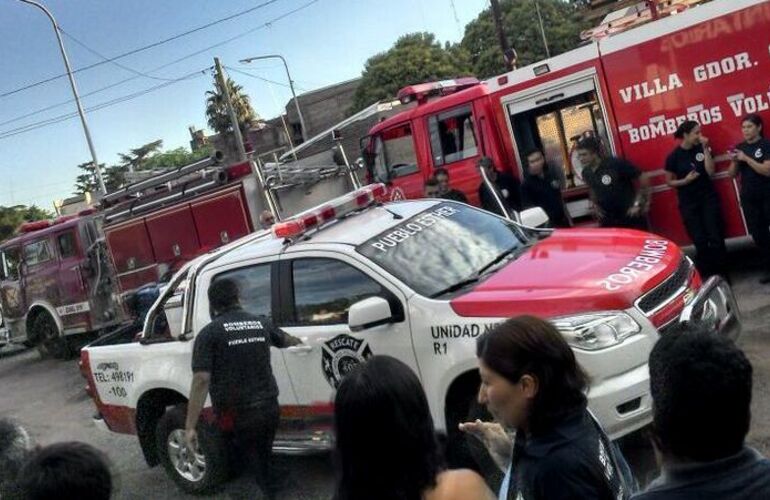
(36, 307)
(452, 381)
(149, 408)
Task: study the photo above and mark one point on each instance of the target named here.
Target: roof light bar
(335, 209)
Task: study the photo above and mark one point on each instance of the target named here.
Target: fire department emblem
(700, 157)
(758, 154)
(606, 180)
(397, 194)
(340, 355)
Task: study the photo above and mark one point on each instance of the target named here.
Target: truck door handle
(300, 349)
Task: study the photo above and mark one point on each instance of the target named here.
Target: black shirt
(571, 461)
(454, 195)
(745, 476)
(545, 192)
(753, 183)
(680, 163)
(612, 184)
(235, 349)
(509, 190)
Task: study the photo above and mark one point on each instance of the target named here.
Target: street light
(291, 86)
(102, 187)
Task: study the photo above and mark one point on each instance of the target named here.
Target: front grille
(663, 292)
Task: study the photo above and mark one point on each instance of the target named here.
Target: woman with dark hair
(689, 169)
(386, 446)
(533, 385)
(751, 159)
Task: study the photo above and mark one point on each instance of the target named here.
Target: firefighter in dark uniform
(751, 159)
(689, 169)
(507, 188)
(542, 188)
(618, 189)
(444, 189)
(231, 360)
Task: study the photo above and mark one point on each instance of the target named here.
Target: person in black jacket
(532, 383)
(701, 398)
(751, 160)
(507, 188)
(689, 169)
(231, 360)
(444, 189)
(542, 188)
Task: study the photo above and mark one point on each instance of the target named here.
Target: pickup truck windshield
(445, 248)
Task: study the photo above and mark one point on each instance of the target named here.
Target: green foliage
(136, 158)
(216, 108)
(12, 217)
(175, 158)
(86, 182)
(562, 21)
(414, 58)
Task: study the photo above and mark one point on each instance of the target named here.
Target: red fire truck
(631, 90)
(80, 274)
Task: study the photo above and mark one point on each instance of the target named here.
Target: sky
(325, 42)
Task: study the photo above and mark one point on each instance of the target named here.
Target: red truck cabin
(51, 269)
(631, 90)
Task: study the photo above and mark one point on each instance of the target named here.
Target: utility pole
(222, 82)
(542, 29)
(509, 55)
(82, 114)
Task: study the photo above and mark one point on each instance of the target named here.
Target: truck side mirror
(368, 313)
(534, 217)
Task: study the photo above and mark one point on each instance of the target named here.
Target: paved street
(48, 398)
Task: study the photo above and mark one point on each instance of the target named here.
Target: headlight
(593, 332)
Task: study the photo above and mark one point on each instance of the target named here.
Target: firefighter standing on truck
(689, 168)
(231, 358)
(751, 159)
(617, 200)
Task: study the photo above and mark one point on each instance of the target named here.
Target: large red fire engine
(631, 90)
(75, 275)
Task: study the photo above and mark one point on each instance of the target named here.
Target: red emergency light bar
(335, 209)
(422, 92)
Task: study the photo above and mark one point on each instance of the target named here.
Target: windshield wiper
(456, 286)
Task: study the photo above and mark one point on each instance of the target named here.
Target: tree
(114, 177)
(176, 158)
(12, 217)
(414, 58)
(562, 21)
(216, 108)
(135, 158)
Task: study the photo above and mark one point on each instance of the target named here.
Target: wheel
(47, 339)
(198, 472)
(464, 451)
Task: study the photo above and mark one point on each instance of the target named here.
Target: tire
(49, 342)
(466, 452)
(209, 468)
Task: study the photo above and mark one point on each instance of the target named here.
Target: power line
(166, 65)
(236, 70)
(144, 47)
(57, 119)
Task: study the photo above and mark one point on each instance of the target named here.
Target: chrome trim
(731, 325)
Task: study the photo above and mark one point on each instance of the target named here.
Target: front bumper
(716, 306)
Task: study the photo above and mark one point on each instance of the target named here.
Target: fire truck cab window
(324, 290)
(254, 288)
(452, 136)
(10, 264)
(67, 246)
(394, 154)
(37, 252)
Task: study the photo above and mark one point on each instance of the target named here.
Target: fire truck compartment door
(220, 218)
(173, 235)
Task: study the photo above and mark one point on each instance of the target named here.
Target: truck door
(395, 162)
(317, 290)
(74, 306)
(41, 272)
(553, 117)
(11, 295)
(454, 146)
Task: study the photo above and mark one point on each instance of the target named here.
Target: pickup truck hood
(574, 271)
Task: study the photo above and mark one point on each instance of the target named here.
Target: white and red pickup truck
(417, 280)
